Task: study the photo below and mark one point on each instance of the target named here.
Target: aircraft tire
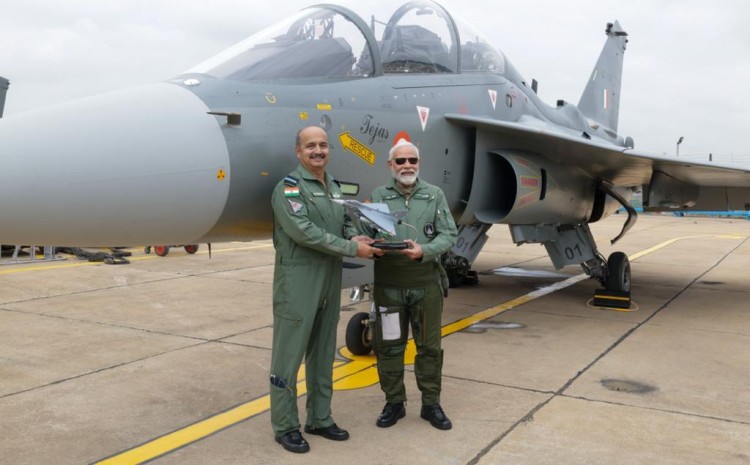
(618, 276)
(455, 278)
(358, 334)
(191, 249)
(457, 269)
(161, 250)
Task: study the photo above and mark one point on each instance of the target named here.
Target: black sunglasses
(401, 161)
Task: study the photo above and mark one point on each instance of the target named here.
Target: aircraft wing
(621, 166)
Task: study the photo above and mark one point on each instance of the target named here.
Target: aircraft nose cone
(142, 166)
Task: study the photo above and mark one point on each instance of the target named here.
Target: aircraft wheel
(618, 276)
(358, 334)
(161, 250)
(455, 277)
(192, 248)
(457, 270)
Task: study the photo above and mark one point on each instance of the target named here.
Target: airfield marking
(359, 372)
(356, 147)
(138, 258)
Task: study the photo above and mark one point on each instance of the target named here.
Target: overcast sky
(687, 65)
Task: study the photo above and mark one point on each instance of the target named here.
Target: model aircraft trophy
(377, 216)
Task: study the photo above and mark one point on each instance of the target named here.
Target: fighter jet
(378, 215)
(194, 159)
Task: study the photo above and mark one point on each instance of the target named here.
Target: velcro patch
(290, 191)
(296, 206)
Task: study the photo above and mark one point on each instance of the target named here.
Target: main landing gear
(572, 244)
(618, 272)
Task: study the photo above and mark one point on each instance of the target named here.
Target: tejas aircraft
(194, 159)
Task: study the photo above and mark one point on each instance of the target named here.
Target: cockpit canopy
(329, 41)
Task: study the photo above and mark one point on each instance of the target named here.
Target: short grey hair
(402, 143)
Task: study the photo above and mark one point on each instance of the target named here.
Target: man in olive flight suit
(308, 230)
(409, 288)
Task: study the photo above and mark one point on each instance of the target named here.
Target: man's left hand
(365, 239)
(414, 251)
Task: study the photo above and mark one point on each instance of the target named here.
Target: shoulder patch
(291, 191)
(291, 181)
(291, 188)
(296, 206)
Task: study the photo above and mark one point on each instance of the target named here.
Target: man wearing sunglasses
(409, 287)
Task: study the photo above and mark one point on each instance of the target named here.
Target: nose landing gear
(359, 334)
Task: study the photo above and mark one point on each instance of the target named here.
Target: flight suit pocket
(390, 323)
(284, 305)
(289, 317)
(389, 329)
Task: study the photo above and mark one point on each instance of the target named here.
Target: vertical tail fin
(601, 98)
(3, 89)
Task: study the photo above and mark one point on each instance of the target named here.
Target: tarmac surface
(166, 359)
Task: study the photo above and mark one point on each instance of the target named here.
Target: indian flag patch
(291, 191)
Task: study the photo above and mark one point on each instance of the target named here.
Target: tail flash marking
(600, 101)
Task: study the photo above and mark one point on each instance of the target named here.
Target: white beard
(405, 179)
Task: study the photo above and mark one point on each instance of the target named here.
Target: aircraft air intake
(516, 187)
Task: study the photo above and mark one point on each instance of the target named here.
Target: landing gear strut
(458, 270)
(359, 334)
(574, 244)
(457, 262)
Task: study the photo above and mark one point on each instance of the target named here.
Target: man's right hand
(366, 251)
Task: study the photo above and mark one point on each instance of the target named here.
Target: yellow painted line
(357, 373)
(179, 438)
(189, 434)
(640, 254)
(669, 242)
(249, 247)
(610, 297)
(41, 267)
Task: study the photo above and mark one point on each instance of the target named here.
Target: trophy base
(391, 245)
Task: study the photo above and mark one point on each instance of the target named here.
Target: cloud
(684, 68)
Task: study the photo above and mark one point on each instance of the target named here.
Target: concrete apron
(166, 359)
